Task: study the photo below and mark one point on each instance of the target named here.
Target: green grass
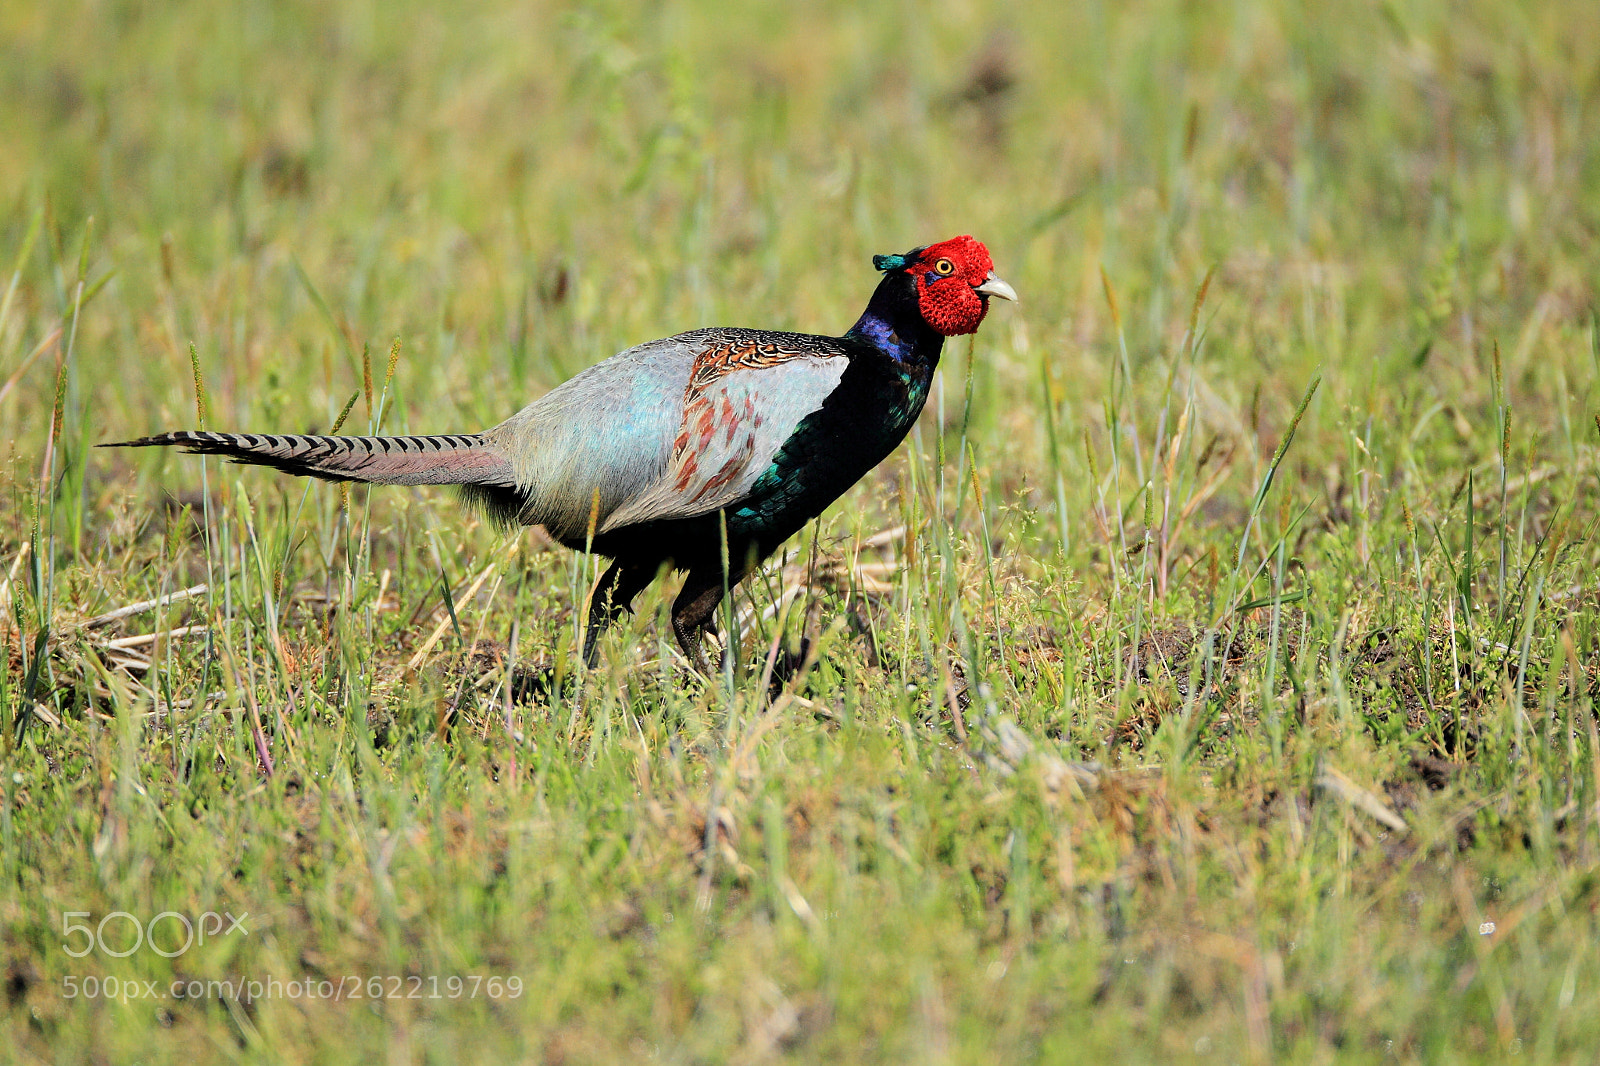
(1158, 735)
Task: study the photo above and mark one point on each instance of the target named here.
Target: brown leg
(695, 609)
(616, 590)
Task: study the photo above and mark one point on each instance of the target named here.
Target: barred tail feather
(448, 459)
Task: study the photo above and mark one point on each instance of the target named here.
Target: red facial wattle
(954, 279)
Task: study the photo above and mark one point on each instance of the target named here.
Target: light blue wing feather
(729, 433)
(608, 429)
(632, 430)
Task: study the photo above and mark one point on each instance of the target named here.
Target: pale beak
(994, 286)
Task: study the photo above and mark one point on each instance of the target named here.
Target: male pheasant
(666, 448)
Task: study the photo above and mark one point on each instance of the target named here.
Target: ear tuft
(889, 262)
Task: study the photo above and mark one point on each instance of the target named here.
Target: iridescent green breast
(867, 417)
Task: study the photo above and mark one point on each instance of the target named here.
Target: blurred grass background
(1399, 200)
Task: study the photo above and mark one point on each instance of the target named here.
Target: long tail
(450, 459)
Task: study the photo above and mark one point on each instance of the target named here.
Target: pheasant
(702, 452)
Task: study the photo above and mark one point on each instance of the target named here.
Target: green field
(1213, 675)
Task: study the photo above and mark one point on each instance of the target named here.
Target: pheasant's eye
(944, 268)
